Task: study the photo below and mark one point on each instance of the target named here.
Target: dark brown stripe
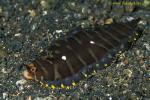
(71, 57)
(44, 67)
(74, 59)
(97, 41)
(119, 30)
(78, 56)
(93, 54)
(110, 34)
(61, 47)
(78, 40)
(127, 27)
(63, 68)
(124, 30)
(97, 50)
(81, 51)
(94, 37)
(107, 37)
(76, 62)
(57, 75)
(116, 34)
(70, 66)
(104, 39)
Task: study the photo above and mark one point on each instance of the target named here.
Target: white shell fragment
(21, 82)
(130, 18)
(17, 34)
(92, 42)
(63, 58)
(59, 31)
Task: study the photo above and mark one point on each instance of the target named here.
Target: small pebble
(108, 21)
(16, 55)
(21, 82)
(21, 88)
(130, 18)
(44, 4)
(85, 86)
(29, 98)
(5, 96)
(110, 98)
(58, 31)
(138, 52)
(44, 13)
(3, 53)
(18, 34)
(4, 71)
(142, 22)
(147, 46)
(1, 10)
(126, 61)
(32, 13)
(127, 72)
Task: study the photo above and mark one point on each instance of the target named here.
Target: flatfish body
(70, 59)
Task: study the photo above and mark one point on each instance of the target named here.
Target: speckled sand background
(28, 26)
